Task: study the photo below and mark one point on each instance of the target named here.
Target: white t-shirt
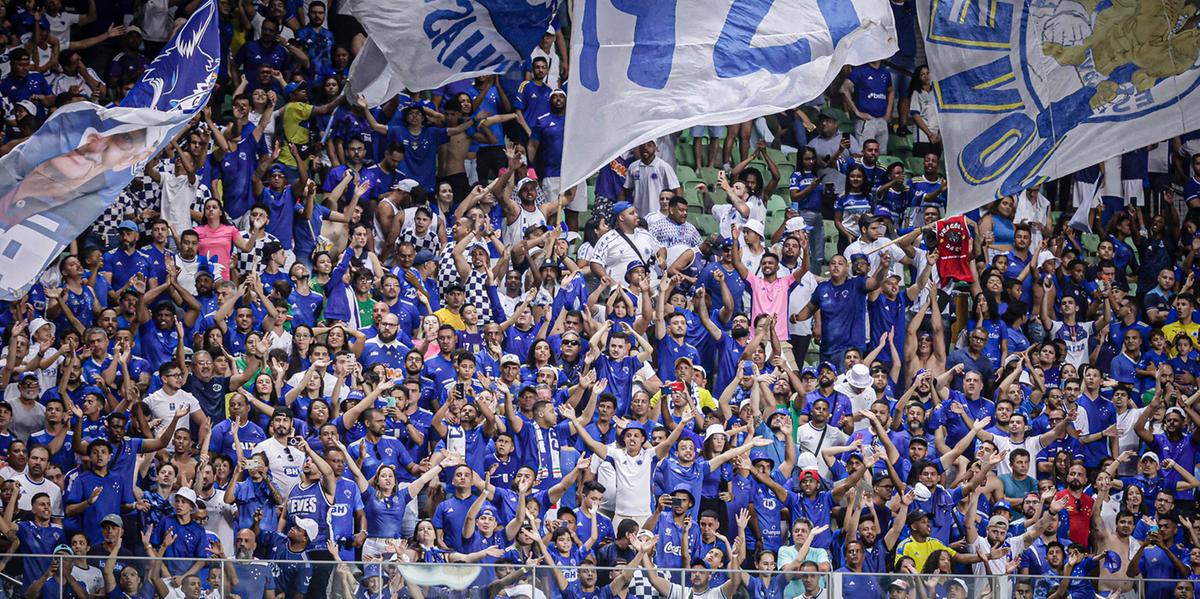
(633, 477)
(858, 401)
(220, 517)
(163, 406)
(30, 488)
(808, 438)
(862, 247)
(60, 27)
(90, 578)
(646, 181)
(285, 464)
(1031, 444)
(615, 253)
(727, 216)
(681, 592)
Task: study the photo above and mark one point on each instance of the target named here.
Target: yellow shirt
(920, 552)
(295, 115)
(699, 394)
(450, 318)
(1175, 328)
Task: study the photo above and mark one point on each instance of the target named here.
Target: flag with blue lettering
(1031, 90)
(429, 43)
(58, 182)
(641, 69)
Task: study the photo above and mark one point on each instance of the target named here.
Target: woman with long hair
(924, 111)
(218, 236)
(848, 208)
(321, 270)
(996, 227)
(386, 505)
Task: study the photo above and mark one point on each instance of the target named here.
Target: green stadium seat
(776, 205)
(684, 155)
(685, 172)
(900, 145)
(887, 161)
(915, 165)
(708, 174)
(703, 221)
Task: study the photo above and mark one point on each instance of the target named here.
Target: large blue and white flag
(429, 43)
(645, 68)
(57, 182)
(1030, 90)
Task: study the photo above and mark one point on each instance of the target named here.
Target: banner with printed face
(1030, 90)
(58, 182)
(641, 69)
(429, 43)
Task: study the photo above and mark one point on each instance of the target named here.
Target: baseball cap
(526, 181)
(276, 169)
(509, 359)
(128, 224)
(960, 582)
(558, 91)
(808, 371)
(422, 257)
(682, 359)
(405, 185)
(1150, 455)
(291, 87)
(112, 519)
(899, 584)
(813, 474)
(759, 454)
(916, 516)
(858, 256)
(998, 519)
(620, 207)
(308, 525)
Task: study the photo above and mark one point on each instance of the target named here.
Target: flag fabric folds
(59, 181)
(429, 43)
(1030, 90)
(642, 69)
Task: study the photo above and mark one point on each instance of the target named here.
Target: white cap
(754, 225)
(406, 185)
(1045, 256)
(1150, 455)
(921, 492)
(308, 525)
(186, 493)
(796, 223)
(524, 181)
(509, 359)
(29, 107)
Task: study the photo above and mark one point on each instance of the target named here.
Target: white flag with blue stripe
(641, 69)
(58, 182)
(429, 43)
(1033, 90)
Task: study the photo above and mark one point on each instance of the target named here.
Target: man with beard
(190, 265)
(1119, 540)
(842, 301)
(817, 433)
(33, 482)
(282, 458)
(126, 263)
(376, 448)
(385, 347)
(254, 577)
(1017, 429)
(1076, 521)
(36, 535)
(239, 426)
(1173, 443)
(159, 329)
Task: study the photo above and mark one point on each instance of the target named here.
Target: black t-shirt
(210, 394)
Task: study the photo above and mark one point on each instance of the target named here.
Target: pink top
(771, 298)
(217, 242)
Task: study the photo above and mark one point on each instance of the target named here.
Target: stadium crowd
(314, 331)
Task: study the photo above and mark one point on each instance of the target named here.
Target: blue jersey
(449, 517)
(237, 167)
(387, 450)
(305, 309)
(767, 508)
(384, 515)
(533, 100)
(871, 86)
(310, 501)
(293, 571)
(420, 151)
(842, 309)
(811, 201)
(122, 266)
(283, 209)
(549, 131)
(37, 540)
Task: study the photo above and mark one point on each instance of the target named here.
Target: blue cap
(760, 453)
(884, 212)
(855, 454)
(1002, 505)
(276, 168)
(684, 488)
(422, 257)
(634, 426)
(291, 87)
(632, 265)
(355, 395)
(726, 243)
(128, 224)
(829, 365)
(808, 371)
(858, 256)
(620, 207)
(372, 571)
(488, 511)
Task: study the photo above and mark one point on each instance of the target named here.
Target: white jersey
(1031, 444)
(285, 464)
(515, 232)
(163, 406)
(633, 474)
(615, 253)
(220, 517)
(30, 488)
(812, 440)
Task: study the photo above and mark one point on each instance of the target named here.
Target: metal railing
(246, 579)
